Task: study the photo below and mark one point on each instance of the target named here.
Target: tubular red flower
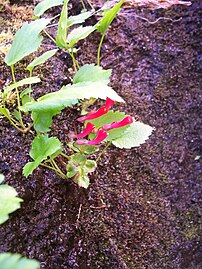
(93, 115)
(100, 112)
(109, 103)
(99, 138)
(89, 128)
(82, 142)
(127, 120)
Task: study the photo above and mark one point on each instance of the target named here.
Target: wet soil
(143, 207)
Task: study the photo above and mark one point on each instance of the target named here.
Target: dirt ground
(143, 207)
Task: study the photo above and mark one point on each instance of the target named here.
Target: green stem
(54, 169)
(54, 164)
(49, 36)
(82, 2)
(18, 97)
(75, 63)
(64, 155)
(90, 4)
(99, 49)
(108, 144)
(30, 85)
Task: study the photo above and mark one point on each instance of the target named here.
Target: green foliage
(77, 19)
(26, 41)
(108, 118)
(62, 27)
(92, 72)
(108, 17)
(79, 167)
(16, 261)
(5, 112)
(42, 148)
(79, 34)
(45, 5)
(30, 80)
(134, 136)
(41, 59)
(8, 202)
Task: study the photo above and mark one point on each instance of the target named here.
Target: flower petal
(89, 128)
(93, 115)
(109, 103)
(99, 138)
(127, 120)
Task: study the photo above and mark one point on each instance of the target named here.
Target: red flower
(89, 128)
(100, 112)
(127, 120)
(99, 138)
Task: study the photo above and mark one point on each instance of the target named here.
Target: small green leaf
(42, 147)
(42, 121)
(1, 178)
(108, 17)
(30, 80)
(79, 158)
(26, 99)
(77, 19)
(17, 114)
(108, 118)
(82, 181)
(134, 136)
(79, 34)
(45, 5)
(25, 92)
(90, 72)
(62, 27)
(5, 112)
(8, 201)
(16, 261)
(41, 59)
(90, 166)
(26, 41)
(71, 170)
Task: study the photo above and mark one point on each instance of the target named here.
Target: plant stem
(49, 36)
(64, 155)
(54, 164)
(82, 2)
(108, 144)
(75, 63)
(54, 169)
(30, 85)
(99, 49)
(90, 4)
(18, 97)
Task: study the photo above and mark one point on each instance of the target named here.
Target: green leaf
(90, 166)
(26, 41)
(62, 27)
(26, 99)
(25, 92)
(5, 112)
(82, 180)
(77, 19)
(30, 80)
(16, 261)
(134, 136)
(90, 72)
(1, 178)
(69, 94)
(17, 114)
(41, 59)
(42, 121)
(108, 17)
(71, 170)
(108, 118)
(8, 201)
(45, 5)
(79, 158)
(79, 34)
(42, 147)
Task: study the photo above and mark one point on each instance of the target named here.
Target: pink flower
(100, 112)
(99, 138)
(89, 128)
(127, 120)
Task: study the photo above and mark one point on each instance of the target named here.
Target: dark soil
(152, 198)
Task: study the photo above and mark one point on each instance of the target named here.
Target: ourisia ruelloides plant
(90, 82)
